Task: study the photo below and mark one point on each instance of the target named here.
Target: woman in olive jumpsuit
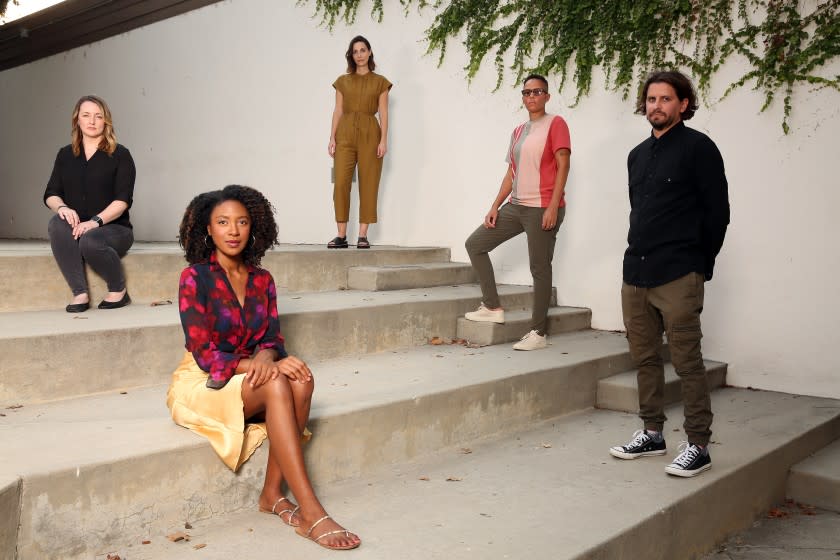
(357, 137)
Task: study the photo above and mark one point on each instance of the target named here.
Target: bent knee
(57, 226)
(90, 243)
(279, 387)
(472, 245)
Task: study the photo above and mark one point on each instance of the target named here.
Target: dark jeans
(100, 247)
(674, 307)
(512, 220)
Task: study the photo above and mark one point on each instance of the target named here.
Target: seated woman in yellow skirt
(236, 384)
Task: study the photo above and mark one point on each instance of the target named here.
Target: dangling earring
(253, 240)
(209, 246)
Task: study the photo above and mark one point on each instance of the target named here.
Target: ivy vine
(3, 5)
(784, 43)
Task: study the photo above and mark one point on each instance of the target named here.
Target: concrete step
(53, 354)
(118, 469)
(517, 323)
(546, 491)
(9, 515)
(816, 480)
(621, 393)
(400, 277)
(152, 270)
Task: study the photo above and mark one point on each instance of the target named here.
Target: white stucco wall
(239, 92)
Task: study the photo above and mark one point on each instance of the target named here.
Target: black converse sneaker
(642, 445)
(691, 461)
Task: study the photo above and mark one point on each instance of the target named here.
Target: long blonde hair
(108, 144)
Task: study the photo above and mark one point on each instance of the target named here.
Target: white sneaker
(532, 341)
(482, 314)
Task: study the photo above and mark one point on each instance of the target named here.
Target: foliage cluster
(3, 5)
(784, 42)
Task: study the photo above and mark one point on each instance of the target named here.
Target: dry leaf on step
(198, 546)
(454, 479)
(546, 445)
(436, 341)
(466, 450)
(426, 478)
(178, 536)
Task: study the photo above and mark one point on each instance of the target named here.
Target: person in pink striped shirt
(538, 165)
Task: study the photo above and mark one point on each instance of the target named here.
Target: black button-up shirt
(89, 186)
(679, 207)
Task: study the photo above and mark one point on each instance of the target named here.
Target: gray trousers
(512, 220)
(674, 308)
(102, 248)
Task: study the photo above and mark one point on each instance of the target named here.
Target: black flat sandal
(338, 243)
(363, 243)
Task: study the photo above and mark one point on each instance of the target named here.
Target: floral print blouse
(219, 331)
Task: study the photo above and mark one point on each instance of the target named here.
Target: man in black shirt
(679, 211)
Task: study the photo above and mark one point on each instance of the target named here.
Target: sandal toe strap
(345, 531)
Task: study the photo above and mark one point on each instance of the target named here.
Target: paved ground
(790, 531)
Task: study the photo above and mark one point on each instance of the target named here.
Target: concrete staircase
(92, 463)
(816, 480)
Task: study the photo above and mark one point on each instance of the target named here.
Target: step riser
(814, 490)
(62, 366)
(331, 334)
(153, 276)
(486, 334)
(72, 515)
(373, 280)
(625, 398)
(816, 480)
(9, 518)
(730, 505)
(71, 365)
(432, 422)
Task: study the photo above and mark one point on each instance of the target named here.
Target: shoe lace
(529, 335)
(639, 439)
(687, 454)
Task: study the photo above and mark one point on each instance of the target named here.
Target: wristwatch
(98, 220)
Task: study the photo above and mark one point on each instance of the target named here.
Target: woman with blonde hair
(90, 190)
(356, 137)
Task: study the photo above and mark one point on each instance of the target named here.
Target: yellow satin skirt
(216, 414)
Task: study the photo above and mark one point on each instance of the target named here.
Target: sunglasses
(533, 92)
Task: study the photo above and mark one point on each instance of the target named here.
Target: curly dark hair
(682, 86)
(193, 231)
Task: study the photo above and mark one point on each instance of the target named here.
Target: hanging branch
(782, 45)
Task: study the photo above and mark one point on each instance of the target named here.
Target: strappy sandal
(317, 539)
(292, 512)
(363, 243)
(338, 243)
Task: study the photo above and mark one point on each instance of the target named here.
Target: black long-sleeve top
(89, 186)
(679, 207)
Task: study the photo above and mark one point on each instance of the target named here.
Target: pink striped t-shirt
(531, 158)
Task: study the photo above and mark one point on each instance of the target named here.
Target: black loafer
(115, 304)
(77, 307)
